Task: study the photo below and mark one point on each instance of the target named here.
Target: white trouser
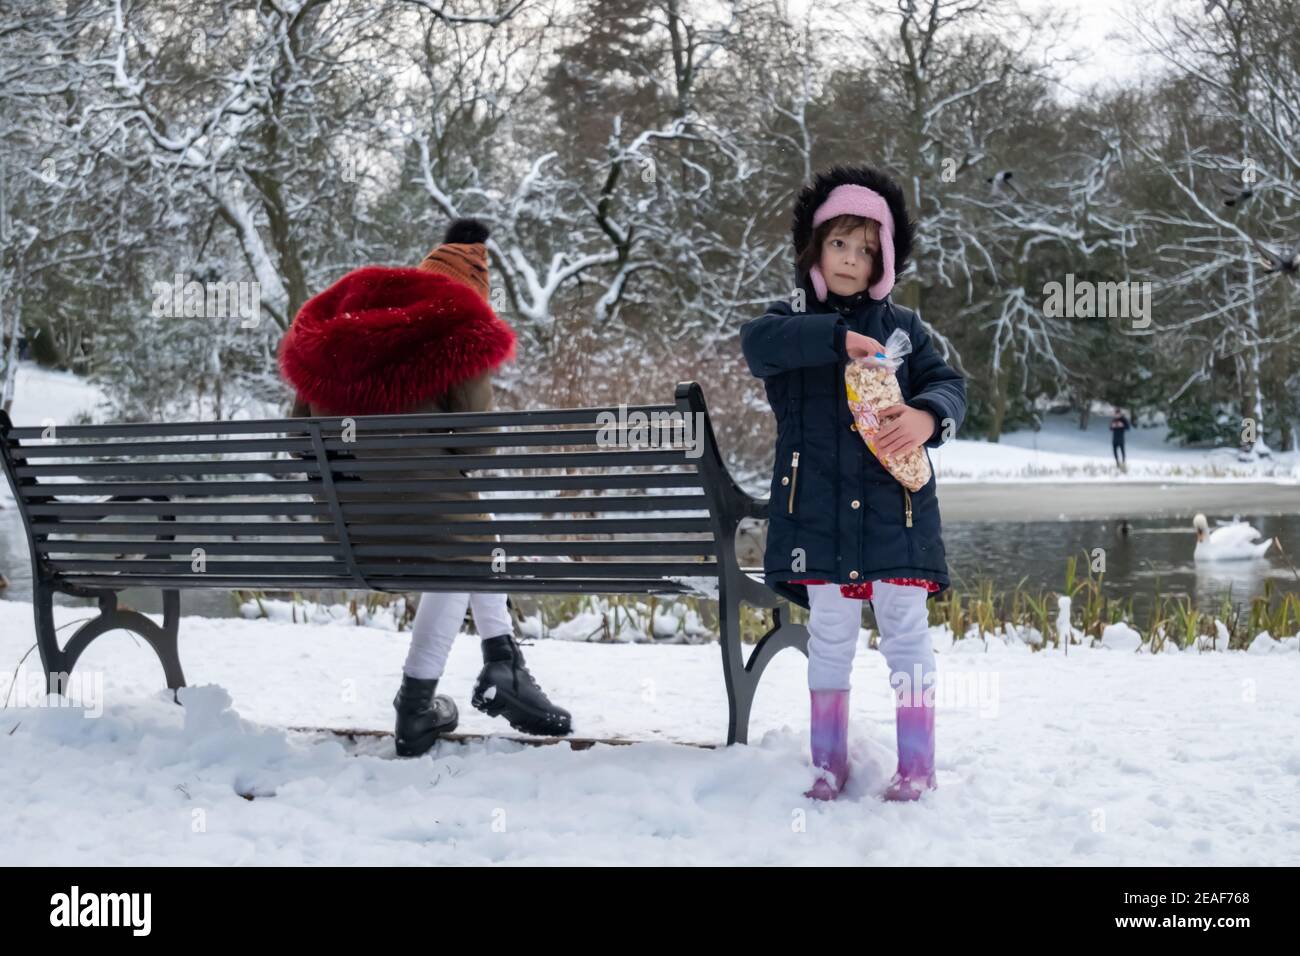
(833, 624)
(438, 620)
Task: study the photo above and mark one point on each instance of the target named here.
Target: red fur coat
(385, 340)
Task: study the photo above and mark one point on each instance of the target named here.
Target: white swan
(1229, 542)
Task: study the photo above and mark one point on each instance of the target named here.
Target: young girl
(393, 341)
(841, 528)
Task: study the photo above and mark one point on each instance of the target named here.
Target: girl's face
(849, 257)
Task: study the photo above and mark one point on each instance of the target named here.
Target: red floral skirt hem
(863, 591)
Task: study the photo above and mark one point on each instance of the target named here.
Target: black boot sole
(415, 746)
(497, 707)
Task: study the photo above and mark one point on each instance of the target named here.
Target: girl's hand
(862, 346)
(904, 429)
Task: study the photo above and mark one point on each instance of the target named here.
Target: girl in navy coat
(841, 528)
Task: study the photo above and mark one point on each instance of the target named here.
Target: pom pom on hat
(462, 255)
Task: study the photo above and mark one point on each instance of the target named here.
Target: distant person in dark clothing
(1119, 424)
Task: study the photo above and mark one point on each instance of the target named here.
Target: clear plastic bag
(897, 347)
(872, 386)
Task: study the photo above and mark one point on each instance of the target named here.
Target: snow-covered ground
(1060, 450)
(1101, 757)
(42, 394)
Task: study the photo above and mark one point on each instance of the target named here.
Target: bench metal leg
(742, 677)
(162, 639)
(47, 639)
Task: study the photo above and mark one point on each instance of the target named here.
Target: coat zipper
(794, 479)
(907, 499)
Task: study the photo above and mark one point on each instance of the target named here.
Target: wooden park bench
(577, 505)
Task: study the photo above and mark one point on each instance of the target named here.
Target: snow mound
(1120, 637)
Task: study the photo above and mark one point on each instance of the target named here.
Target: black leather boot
(422, 715)
(505, 688)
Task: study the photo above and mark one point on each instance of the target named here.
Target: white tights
(833, 624)
(438, 620)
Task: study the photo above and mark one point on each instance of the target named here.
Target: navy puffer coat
(836, 513)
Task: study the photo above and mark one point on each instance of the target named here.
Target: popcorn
(871, 389)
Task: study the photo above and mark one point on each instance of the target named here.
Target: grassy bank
(978, 612)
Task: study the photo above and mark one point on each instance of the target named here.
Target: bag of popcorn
(872, 388)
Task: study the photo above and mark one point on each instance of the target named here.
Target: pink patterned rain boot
(830, 743)
(915, 772)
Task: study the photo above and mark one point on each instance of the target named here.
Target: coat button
(853, 575)
(785, 480)
(855, 503)
(853, 427)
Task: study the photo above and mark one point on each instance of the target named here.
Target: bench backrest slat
(384, 441)
(401, 548)
(297, 426)
(550, 526)
(200, 468)
(357, 510)
(380, 486)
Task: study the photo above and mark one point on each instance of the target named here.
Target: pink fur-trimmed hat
(862, 191)
(853, 200)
